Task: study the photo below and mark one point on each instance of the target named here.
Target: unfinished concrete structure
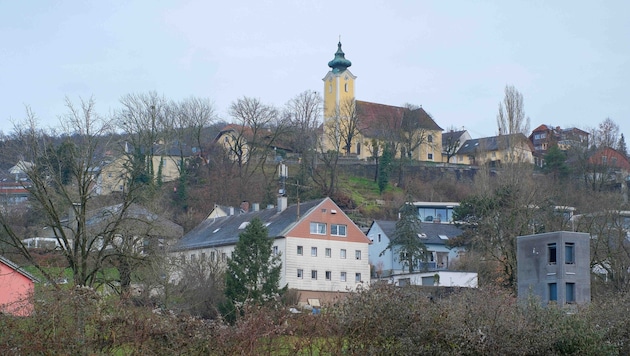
(555, 267)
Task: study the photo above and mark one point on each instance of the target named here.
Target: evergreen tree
(621, 146)
(384, 168)
(253, 273)
(406, 241)
(555, 163)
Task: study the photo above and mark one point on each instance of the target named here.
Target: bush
(384, 320)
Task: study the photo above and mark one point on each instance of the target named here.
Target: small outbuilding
(16, 289)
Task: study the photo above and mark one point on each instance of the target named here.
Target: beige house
(240, 141)
(113, 174)
(496, 150)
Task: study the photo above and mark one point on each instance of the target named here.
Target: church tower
(338, 84)
(338, 90)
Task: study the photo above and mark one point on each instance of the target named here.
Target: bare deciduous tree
(413, 134)
(511, 117)
(345, 125)
(304, 113)
(145, 118)
(450, 144)
(257, 132)
(61, 181)
(606, 134)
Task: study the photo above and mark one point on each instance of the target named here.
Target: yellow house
(360, 128)
(515, 148)
(113, 174)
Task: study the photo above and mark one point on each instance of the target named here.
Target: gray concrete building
(554, 267)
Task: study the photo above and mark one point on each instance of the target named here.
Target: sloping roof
(375, 118)
(136, 220)
(224, 230)
(542, 128)
(614, 159)
(451, 136)
(247, 133)
(451, 141)
(18, 269)
(432, 231)
(486, 144)
(21, 167)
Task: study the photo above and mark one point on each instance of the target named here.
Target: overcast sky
(569, 59)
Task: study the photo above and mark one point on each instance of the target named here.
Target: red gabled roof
(620, 161)
(329, 213)
(376, 119)
(541, 128)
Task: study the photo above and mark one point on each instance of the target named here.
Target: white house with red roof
(323, 253)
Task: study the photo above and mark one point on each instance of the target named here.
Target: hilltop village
(325, 211)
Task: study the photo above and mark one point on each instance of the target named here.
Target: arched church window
(358, 148)
(345, 86)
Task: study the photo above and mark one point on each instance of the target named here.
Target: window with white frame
(318, 228)
(314, 251)
(338, 230)
(328, 275)
(314, 274)
(357, 254)
(328, 252)
(342, 253)
(357, 277)
(300, 250)
(274, 250)
(342, 276)
(300, 273)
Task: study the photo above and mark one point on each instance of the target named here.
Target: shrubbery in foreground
(381, 320)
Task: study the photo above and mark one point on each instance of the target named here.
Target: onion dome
(340, 63)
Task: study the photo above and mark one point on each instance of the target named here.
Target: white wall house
(387, 265)
(323, 253)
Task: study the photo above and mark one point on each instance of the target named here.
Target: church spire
(340, 63)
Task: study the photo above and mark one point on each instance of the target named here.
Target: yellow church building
(363, 129)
